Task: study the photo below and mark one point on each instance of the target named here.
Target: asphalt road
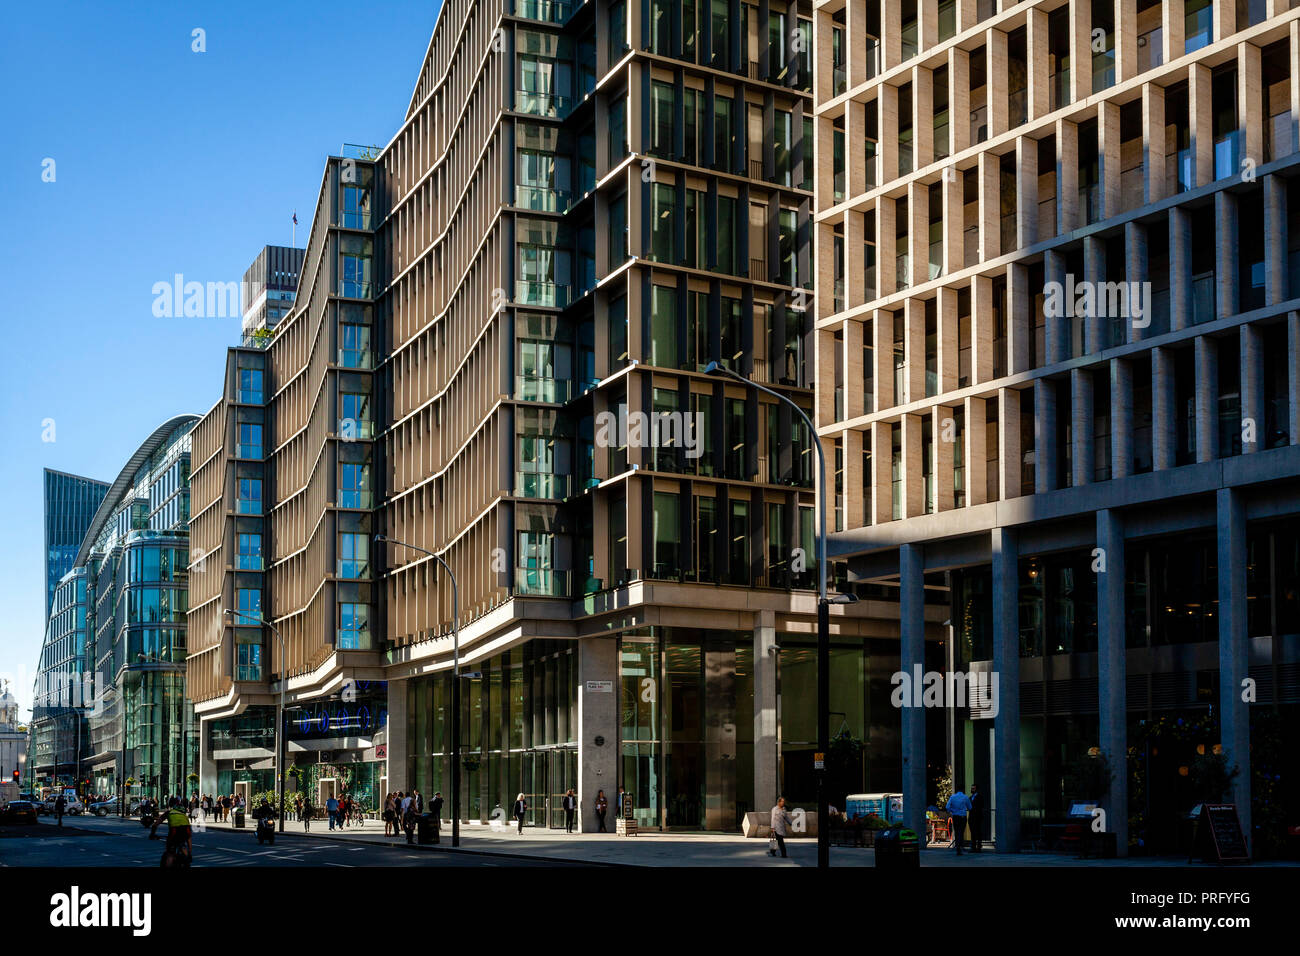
(110, 841)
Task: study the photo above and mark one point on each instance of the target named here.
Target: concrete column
(954, 222)
(1293, 376)
(855, 35)
(1207, 398)
(1225, 20)
(855, 237)
(1056, 328)
(855, 514)
(990, 199)
(911, 614)
(1173, 30)
(1080, 51)
(1225, 249)
(891, 36)
(1252, 387)
(913, 350)
(922, 117)
(1136, 269)
(913, 479)
(918, 231)
(927, 24)
(854, 394)
(1200, 113)
(598, 726)
(1234, 714)
(1081, 420)
(887, 139)
(1250, 101)
(1154, 187)
(981, 304)
(997, 73)
(1045, 450)
(1068, 216)
(976, 451)
(948, 338)
(1162, 410)
(1180, 268)
(886, 247)
(882, 462)
(943, 438)
(1108, 157)
(1125, 38)
(1276, 284)
(1121, 418)
(1009, 444)
(1094, 270)
(1019, 327)
(1026, 192)
(1039, 93)
(1006, 670)
(1112, 671)
(882, 353)
(1295, 84)
(399, 743)
(855, 156)
(765, 752)
(958, 98)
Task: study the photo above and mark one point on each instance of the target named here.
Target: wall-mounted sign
(600, 687)
(381, 751)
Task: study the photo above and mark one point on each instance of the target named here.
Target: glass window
(250, 440)
(354, 627)
(250, 496)
(250, 552)
(663, 206)
(661, 119)
(354, 555)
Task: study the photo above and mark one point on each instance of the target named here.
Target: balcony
(245, 450)
(529, 388)
(541, 292)
(543, 104)
(362, 359)
(541, 582)
(353, 568)
(351, 498)
(544, 11)
(542, 199)
(356, 429)
(543, 485)
(355, 288)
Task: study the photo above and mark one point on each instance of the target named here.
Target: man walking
(332, 808)
(435, 811)
(570, 811)
(959, 809)
(976, 817)
(780, 822)
(59, 805)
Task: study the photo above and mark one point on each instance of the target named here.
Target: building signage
(381, 751)
(600, 687)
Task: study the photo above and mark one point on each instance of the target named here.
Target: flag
(295, 217)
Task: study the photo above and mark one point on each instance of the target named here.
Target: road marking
(345, 865)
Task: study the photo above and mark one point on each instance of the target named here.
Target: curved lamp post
(279, 714)
(455, 682)
(823, 614)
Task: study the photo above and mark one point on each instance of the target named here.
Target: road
(110, 841)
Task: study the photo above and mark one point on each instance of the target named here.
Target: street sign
(600, 687)
(819, 761)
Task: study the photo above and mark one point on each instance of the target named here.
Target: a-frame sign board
(1219, 838)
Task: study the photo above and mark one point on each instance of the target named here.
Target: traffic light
(15, 776)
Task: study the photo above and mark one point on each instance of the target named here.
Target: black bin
(426, 829)
(239, 818)
(897, 848)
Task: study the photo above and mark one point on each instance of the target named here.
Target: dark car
(18, 811)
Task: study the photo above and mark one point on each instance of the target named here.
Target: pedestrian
(620, 800)
(390, 815)
(521, 807)
(59, 805)
(435, 811)
(959, 809)
(408, 818)
(975, 820)
(419, 801)
(780, 821)
(570, 810)
(602, 806)
(332, 808)
(307, 811)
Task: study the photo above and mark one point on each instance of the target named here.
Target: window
(354, 627)
(354, 416)
(249, 552)
(667, 534)
(663, 327)
(354, 555)
(248, 662)
(661, 119)
(250, 496)
(249, 606)
(723, 134)
(354, 346)
(663, 203)
(250, 441)
(250, 386)
(356, 254)
(354, 485)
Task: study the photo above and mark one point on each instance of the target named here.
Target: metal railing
(542, 104)
(539, 292)
(541, 582)
(530, 388)
(539, 484)
(544, 11)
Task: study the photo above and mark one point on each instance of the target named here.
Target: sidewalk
(674, 849)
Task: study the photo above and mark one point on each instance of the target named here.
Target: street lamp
(455, 683)
(823, 616)
(279, 715)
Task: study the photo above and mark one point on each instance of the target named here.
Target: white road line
(345, 865)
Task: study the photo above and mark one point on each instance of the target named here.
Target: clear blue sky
(166, 161)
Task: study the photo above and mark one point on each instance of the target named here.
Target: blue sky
(165, 160)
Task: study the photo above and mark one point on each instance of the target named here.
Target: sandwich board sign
(1219, 838)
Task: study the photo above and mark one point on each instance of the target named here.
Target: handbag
(771, 845)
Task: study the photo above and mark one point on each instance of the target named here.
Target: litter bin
(239, 818)
(897, 848)
(426, 829)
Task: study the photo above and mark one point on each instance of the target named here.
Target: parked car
(72, 805)
(19, 811)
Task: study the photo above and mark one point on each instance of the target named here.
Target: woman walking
(521, 807)
(602, 806)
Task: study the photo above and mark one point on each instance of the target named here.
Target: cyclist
(179, 850)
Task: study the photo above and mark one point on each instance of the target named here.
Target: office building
(269, 287)
(1057, 347)
(70, 503)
